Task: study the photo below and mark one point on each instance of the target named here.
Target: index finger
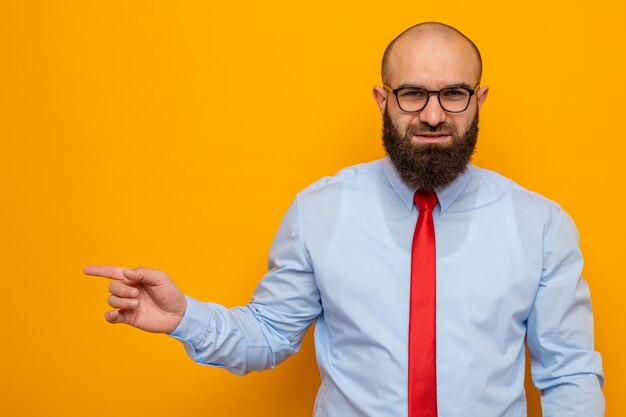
(105, 271)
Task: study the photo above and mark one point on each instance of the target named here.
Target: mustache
(442, 128)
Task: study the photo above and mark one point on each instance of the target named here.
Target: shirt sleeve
(565, 366)
(270, 328)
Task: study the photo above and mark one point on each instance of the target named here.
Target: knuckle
(128, 291)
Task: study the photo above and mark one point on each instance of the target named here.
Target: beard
(426, 166)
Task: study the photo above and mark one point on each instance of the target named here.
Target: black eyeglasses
(414, 99)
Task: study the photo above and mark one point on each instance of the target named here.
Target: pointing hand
(144, 298)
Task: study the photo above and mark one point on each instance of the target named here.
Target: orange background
(174, 135)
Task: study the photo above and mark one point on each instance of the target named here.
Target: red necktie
(422, 339)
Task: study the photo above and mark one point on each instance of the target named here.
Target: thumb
(145, 276)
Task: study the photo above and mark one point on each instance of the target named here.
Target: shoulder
(354, 178)
(494, 185)
(489, 188)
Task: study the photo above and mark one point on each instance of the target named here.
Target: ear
(380, 95)
(481, 95)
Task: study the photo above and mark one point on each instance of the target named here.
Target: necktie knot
(425, 199)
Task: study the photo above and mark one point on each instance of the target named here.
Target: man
(422, 300)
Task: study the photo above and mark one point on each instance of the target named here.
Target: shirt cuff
(192, 327)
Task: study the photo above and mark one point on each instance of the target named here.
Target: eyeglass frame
(431, 92)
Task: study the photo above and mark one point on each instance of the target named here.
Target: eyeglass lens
(450, 99)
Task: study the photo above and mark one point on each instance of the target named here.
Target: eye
(454, 94)
(412, 94)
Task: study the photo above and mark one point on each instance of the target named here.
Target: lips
(431, 137)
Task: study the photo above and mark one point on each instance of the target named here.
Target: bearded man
(424, 274)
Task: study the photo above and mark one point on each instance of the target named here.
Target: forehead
(433, 61)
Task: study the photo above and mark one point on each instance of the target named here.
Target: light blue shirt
(508, 267)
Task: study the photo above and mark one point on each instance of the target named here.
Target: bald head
(422, 32)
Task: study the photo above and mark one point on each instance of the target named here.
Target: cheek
(404, 120)
(460, 122)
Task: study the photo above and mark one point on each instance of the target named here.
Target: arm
(560, 330)
(250, 338)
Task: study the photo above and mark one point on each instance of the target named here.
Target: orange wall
(175, 134)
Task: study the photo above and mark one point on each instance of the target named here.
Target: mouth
(430, 137)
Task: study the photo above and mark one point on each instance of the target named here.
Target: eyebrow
(452, 85)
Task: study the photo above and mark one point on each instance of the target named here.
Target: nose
(432, 114)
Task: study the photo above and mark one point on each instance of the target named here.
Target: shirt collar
(445, 195)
